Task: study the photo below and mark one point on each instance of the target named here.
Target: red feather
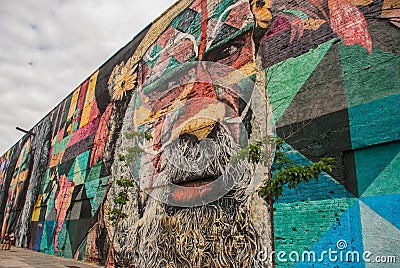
(349, 23)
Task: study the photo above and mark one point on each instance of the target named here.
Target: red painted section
(165, 37)
(62, 200)
(101, 137)
(348, 22)
(84, 132)
(190, 192)
(204, 18)
(94, 111)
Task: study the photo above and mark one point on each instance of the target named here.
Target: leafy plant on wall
(117, 213)
(284, 171)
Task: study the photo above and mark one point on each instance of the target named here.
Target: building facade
(204, 79)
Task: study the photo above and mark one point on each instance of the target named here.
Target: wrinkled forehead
(196, 30)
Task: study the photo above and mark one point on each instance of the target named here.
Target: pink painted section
(62, 202)
(101, 136)
(348, 22)
(84, 132)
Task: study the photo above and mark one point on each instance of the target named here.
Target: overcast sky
(48, 47)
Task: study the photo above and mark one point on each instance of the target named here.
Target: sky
(48, 47)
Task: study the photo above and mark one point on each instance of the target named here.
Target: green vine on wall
(120, 201)
(122, 197)
(288, 172)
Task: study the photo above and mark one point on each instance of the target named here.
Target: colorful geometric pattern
(332, 72)
(73, 184)
(359, 204)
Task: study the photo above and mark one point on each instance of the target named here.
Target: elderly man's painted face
(193, 87)
(194, 95)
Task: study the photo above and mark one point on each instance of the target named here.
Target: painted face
(193, 96)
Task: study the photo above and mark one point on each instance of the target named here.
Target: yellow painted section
(36, 210)
(361, 2)
(141, 115)
(178, 102)
(237, 76)
(56, 159)
(391, 9)
(203, 122)
(158, 27)
(89, 99)
(19, 178)
(262, 14)
(74, 100)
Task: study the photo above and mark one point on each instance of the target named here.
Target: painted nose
(199, 118)
(202, 111)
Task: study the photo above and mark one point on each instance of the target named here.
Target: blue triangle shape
(387, 206)
(344, 236)
(325, 188)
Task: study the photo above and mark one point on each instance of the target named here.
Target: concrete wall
(331, 71)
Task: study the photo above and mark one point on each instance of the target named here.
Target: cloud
(47, 48)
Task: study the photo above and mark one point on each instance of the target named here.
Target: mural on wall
(181, 114)
(4, 160)
(74, 181)
(197, 79)
(17, 188)
(306, 30)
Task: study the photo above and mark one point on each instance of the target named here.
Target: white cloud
(48, 47)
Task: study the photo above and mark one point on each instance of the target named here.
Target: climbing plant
(286, 172)
(122, 197)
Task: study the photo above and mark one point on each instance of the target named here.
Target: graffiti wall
(172, 110)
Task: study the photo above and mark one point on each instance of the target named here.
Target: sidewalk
(25, 258)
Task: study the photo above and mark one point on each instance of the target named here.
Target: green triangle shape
(61, 145)
(77, 177)
(370, 162)
(172, 63)
(314, 98)
(71, 171)
(91, 189)
(157, 48)
(83, 160)
(100, 193)
(388, 182)
(175, 22)
(94, 172)
(285, 79)
(369, 77)
(45, 181)
(194, 28)
(66, 248)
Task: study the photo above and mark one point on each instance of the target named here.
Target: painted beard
(217, 234)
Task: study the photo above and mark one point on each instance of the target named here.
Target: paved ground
(25, 258)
